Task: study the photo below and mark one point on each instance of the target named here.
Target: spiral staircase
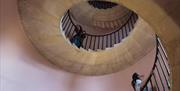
(129, 40)
(159, 78)
(100, 42)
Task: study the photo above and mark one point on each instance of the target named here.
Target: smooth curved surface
(166, 25)
(87, 15)
(40, 20)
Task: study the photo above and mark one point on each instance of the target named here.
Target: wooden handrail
(132, 13)
(107, 40)
(152, 73)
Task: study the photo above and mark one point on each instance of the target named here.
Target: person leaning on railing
(79, 37)
(136, 81)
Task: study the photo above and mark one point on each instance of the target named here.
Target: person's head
(83, 36)
(79, 28)
(135, 76)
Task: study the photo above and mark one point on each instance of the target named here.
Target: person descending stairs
(79, 37)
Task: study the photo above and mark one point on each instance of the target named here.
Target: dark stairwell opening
(105, 25)
(102, 4)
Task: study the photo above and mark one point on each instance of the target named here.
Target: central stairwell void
(102, 4)
(120, 28)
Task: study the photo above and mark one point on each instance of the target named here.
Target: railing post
(157, 86)
(86, 42)
(163, 73)
(160, 77)
(158, 64)
(94, 42)
(90, 42)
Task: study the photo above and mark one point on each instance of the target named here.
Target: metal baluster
(129, 27)
(65, 16)
(83, 43)
(122, 33)
(133, 18)
(162, 48)
(156, 81)
(125, 30)
(98, 42)
(106, 41)
(160, 77)
(63, 23)
(131, 23)
(151, 84)
(66, 23)
(163, 72)
(164, 64)
(115, 38)
(94, 42)
(103, 42)
(68, 29)
(90, 42)
(119, 40)
(86, 42)
(74, 32)
(110, 40)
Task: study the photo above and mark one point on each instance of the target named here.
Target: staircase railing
(159, 78)
(99, 42)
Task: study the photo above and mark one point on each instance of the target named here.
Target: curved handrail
(96, 42)
(151, 73)
(108, 33)
(117, 29)
(159, 65)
